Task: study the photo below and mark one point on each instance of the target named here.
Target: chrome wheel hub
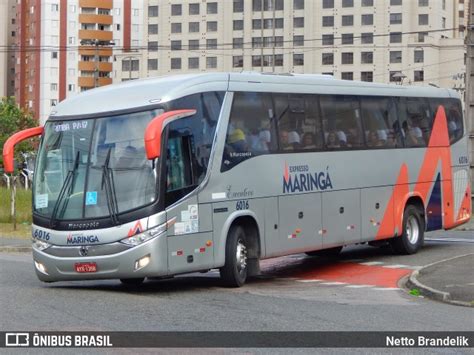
(412, 230)
(241, 256)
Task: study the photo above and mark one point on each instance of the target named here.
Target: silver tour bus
(164, 176)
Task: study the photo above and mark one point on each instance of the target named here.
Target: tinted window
(341, 122)
(380, 120)
(299, 124)
(250, 131)
(453, 110)
(415, 120)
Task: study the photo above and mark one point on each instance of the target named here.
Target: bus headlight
(40, 244)
(138, 239)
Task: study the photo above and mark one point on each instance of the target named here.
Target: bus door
(341, 217)
(190, 244)
(300, 224)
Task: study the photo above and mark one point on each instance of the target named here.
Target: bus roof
(151, 91)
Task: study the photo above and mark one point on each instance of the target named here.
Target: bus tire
(234, 272)
(329, 253)
(133, 282)
(412, 236)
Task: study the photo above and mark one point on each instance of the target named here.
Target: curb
(432, 293)
(15, 249)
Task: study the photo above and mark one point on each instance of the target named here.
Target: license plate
(85, 267)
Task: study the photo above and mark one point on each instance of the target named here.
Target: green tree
(14, 119)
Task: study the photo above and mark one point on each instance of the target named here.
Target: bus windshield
(94, 167)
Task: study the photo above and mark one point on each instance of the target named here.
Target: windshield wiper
(68, 183)
(109, 184)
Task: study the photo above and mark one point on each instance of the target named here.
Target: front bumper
(113, 266)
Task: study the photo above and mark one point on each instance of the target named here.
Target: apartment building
(406, 41)
(66, 46)
(7, 35)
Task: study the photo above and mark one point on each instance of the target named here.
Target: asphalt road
(294, 293)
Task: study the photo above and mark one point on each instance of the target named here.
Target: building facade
(66, 46)
(7, 36)
(408, 41)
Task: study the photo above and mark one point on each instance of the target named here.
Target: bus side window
(380, 119)
(251, 130)
(415, 117)
(453, 110)
(341, 122)
(179, 176)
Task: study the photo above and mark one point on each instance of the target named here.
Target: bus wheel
(133, 282)
(412, 237)
(330, 253)
(234, 272)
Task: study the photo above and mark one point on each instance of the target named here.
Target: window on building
(211, 43)
(395, 2)
(130, 65)
(328, 21)
(298, 22)
(395, 76)
(238, 25)
(152, 46)
(298, 4)
(328, 40)
(237, 43)
(328, 4)
(176, 45)
(194, 27)
(211, 62)
(367, 57)
(153, 29)
(71, 87)
(175, 63)
(176, 10)
(423, 20)
(238, 6)
(347, 38)
(72, 8)
(54, 102)
(152, 64)
(193, 44)
(211, 26)
(54, 87)
(135, 12)
(396, 19)
(347, 58)
(366, 3)
(423, 3)
(54, 7)
(328, 58)
(211, 8)
(193, 63)
(367, 19)
(444, 3)
(395, 37)
(194, 9)
(117, 27)
(348, 20)
(257, 42)
(367, 76)
(298, 41)
(395, 56)
(176, 27)
(54, 55)
(298, 59)
(422, 36)
(347, 3)
(367, 38)
(152, 11)
(237, 61)
(419, 56)
(267, 5)
(418, 75)
(347, 75)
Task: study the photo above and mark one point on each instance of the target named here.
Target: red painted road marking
(357, 274)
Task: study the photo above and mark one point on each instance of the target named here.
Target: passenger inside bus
(294, 139)
(284, 141)
(332, 141)
(309, 141)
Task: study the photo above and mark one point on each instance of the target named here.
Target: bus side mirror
(155, 129)
(9, 146)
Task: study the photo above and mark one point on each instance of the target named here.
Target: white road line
(359, 286)
(397, 266)
(372, 263)
(462, 240)
(386, 288)
(333, 283)
(309, 280)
